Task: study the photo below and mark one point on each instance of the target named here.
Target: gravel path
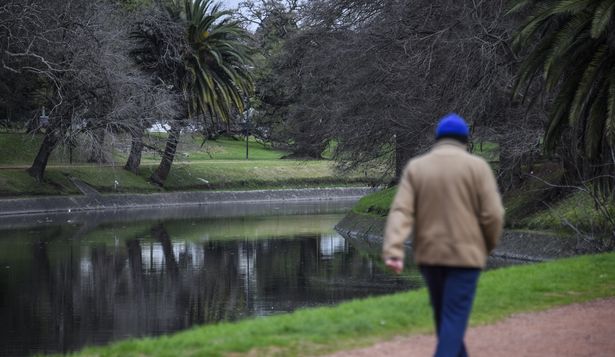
(586, 329)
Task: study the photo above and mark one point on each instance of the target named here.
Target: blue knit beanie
(452, 125)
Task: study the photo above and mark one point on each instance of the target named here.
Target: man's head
(454, 127)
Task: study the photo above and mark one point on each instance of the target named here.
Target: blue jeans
(451, 291)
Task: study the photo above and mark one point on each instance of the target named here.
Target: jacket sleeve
(400, 220)
(491, 215)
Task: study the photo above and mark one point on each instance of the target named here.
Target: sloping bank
(91, 200)
(514, 244)
(315, 331)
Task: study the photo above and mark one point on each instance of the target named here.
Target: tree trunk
(135, 262)
(136, 149)
(37, 170)
(404, 150)
(161, 234)
(162, 172)
(509, 176)
(97, 154)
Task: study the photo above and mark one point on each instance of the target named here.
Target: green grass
(192, 148)
(17, 182)
(526, 206)
(377, 203)
(255, 174)
(488, 150)
(18, 148)
(362, 322)
(226, 148)
(215, 164)
(578, 209)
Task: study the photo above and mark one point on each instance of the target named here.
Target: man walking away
(448, 198)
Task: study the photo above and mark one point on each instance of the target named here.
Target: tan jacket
(449, 199)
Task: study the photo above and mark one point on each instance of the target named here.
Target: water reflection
(63, 287)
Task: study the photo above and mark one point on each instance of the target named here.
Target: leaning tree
(200, 52)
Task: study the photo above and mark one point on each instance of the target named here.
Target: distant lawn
(256, 174)
(17, 183)
(226, 148)
(362, 322)
(21, 148)
(192, 148)
(18, 148)
(198, 165)
(263, 174)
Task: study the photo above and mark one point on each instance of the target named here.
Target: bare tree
(78, 50)
(375, 76)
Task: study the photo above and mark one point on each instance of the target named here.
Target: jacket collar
(448, 143)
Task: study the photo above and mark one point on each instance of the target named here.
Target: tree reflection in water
(62, 292)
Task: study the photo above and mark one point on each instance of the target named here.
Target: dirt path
(574, 330)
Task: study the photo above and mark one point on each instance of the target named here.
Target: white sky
(230, 4)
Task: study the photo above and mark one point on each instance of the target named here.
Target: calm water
(67, 281)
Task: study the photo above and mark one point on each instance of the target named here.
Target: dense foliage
(573, 53)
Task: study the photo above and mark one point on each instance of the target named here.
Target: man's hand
(395, 264)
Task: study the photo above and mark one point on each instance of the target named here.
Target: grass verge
(377, 203)
(361, 322)
(216, 164)
(211, 175)
(577, 209)
(525, 209)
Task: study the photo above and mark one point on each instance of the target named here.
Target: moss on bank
(358, 323)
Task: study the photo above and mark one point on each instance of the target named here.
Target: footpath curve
(585, 329)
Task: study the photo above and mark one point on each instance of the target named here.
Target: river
(71, 280)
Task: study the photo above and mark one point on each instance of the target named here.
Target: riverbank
(501, 293)
(524, 245)
(92, 201)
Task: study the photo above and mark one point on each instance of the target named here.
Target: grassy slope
(576, 209)
(358, 323)
(378, 203)
(218, 164)
(526, 206)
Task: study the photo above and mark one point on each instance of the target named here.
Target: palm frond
(518, 5)
(579, 52)
(559, 113)
(588, 80)
(594, 131)
(602, 17)
(565, 38)
(610, 118)
(572, 7)
(533, 63)
(533, 24)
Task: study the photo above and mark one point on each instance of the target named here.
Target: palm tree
(573, 51)
(208, 64)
